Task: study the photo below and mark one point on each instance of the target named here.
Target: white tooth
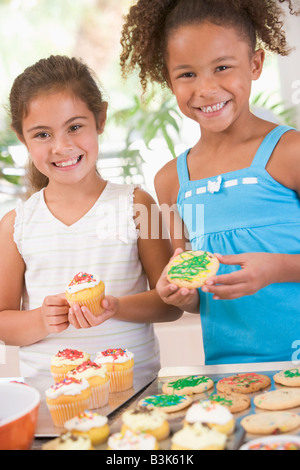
(216, 107)
(69, 163)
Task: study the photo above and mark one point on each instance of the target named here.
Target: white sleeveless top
(102, 242)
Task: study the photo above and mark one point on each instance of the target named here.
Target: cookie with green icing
(168, 403)
(188, 385)
(191, 269)
(289, 377)
(235, 402)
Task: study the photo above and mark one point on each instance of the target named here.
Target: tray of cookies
(216, 408)
(232, 407)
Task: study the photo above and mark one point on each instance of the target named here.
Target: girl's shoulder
(284, 165)
(7, 223)
(166, 182)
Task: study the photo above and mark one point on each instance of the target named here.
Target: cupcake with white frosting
(198, 437)
(89, 423)
(67, 399)
(211, 414)
(86, 290)
(69, 441)
(65, 360)
(132, 441)
(98, 379)
(119, 364)
(150, 420)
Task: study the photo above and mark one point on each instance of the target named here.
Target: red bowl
(19, 405)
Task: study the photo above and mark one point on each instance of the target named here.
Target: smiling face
(210, 71)
(61, 135)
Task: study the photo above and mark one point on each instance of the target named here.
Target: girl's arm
(18, 327)
(167, 187)
(261, 269)
(155, 251)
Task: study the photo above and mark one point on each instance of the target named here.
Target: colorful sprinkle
(70, 354)
(81, 278)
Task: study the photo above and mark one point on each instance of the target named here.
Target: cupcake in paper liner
(119, 364)
(86, 290)
(89, 423)
(98, 379)
(65, 360)
(132, 441)
(67, 399)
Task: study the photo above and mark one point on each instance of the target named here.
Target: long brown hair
(54, 74)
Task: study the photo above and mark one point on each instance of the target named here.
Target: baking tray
(45, 427)
(216, 373)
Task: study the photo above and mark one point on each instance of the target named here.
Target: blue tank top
(241, 212)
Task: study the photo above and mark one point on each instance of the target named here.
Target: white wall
(289, 66)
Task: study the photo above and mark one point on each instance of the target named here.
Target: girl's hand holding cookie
(258, 270)
(171, 294)
(82, 317)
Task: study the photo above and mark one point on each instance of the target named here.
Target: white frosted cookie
(191, 269)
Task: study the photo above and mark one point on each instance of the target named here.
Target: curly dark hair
(149, 23)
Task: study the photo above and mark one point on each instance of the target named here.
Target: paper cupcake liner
(94, 304)
(58, 377)
(120, 380)
(99, 397)
(63, 412)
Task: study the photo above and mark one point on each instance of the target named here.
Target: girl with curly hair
(243, 173)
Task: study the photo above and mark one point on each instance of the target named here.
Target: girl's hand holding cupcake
(55, 311)
(82, 317)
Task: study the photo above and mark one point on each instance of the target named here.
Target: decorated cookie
(290, 377)
(235, 402)
(191, 269)
(282, 399)
(168, 403)
(188, 385)
(243, 383)
(271, 422)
